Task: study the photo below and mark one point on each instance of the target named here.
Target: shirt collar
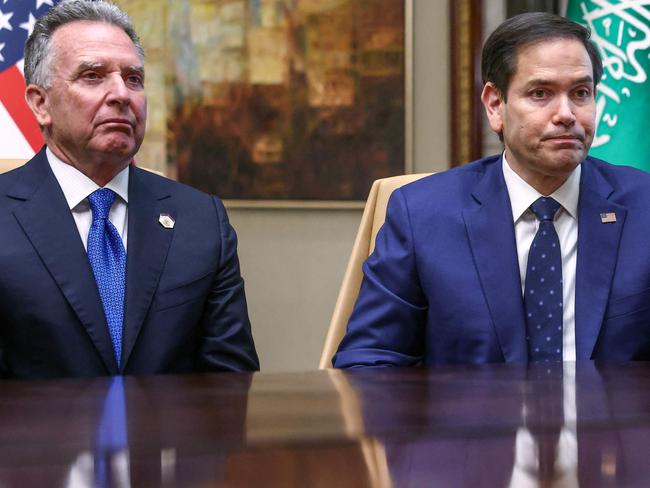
(522, 195)
(77, 186)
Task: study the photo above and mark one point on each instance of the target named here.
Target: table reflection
(479, 426)
(452, 426)
(121, 432)
(111, 455)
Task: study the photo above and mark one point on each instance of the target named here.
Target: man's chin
(118, 149)
(115, 157)
(567, 158)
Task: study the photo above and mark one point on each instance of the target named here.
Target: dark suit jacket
(185, 308)
(443, 284)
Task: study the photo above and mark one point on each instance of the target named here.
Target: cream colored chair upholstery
(373, 218)
(9, 164)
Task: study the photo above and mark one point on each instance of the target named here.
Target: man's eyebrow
(135, 68)
(88, 65)
(99, 66)
(544, 82)
(584, 79)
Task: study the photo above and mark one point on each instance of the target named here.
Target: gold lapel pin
(607, 218)
(166, 221)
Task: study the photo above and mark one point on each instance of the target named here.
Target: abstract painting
(279, 100)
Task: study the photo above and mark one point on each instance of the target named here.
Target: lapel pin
(166, 221)
(607, 218)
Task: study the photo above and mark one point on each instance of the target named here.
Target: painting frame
(466, 85)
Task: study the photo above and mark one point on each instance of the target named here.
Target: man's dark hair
(499, 58)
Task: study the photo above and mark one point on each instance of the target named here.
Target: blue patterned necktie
(108, 260)
(112, 437)
(543, 288)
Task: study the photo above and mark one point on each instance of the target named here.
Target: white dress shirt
(77, 186)
(525, 472)
(522, 195)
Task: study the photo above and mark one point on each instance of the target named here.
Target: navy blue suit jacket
(185, 308)
(443, 284)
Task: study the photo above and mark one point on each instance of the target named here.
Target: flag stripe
(13, 85)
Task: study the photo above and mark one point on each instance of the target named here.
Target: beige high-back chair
(372, 219)
(9, 164)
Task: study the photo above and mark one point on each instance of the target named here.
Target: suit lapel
(148, 245)
(492, 240)
(597, 255)
(45, 218)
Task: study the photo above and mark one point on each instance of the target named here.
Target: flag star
(43, 2)
(4, 20)
(2, 45)
(29, 25)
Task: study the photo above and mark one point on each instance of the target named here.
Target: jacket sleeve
(227, 341)
(387, 324)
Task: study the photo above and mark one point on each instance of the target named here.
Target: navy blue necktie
(543, 288)
(108, 260)
(545, 415)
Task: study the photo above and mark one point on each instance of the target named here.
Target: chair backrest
(9, 164)
(372, 219)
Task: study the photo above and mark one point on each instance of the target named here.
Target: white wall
(431, 90)
(293, 260)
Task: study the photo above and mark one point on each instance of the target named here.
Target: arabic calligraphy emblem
(621, 31)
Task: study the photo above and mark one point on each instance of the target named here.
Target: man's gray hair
(38, 48)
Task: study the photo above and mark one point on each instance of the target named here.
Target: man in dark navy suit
(461, 272)
(106, 268)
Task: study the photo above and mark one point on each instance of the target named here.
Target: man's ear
(493, 103)
(37, 99)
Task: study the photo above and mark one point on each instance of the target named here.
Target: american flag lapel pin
(607, 218)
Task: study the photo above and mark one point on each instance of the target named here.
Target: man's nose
(118, 92)
(564, 112)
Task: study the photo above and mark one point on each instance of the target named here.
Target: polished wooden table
(452, 426)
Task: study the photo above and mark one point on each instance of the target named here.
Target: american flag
(608, 217)
(20, 136)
